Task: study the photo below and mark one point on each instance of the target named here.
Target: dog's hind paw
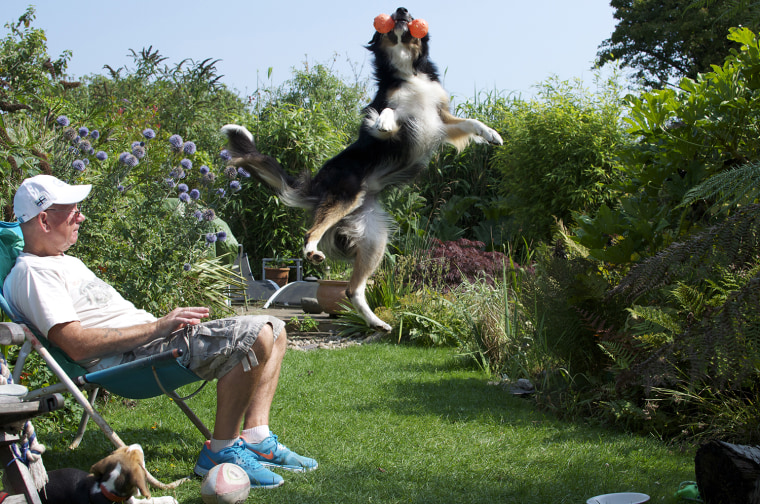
(315, 257)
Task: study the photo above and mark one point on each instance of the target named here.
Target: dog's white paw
(311, 253)
(490, 136)
(386, 121)
(380, 326)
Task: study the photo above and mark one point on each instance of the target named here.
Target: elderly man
(90, 321)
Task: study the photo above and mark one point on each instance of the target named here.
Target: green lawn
(393, 424)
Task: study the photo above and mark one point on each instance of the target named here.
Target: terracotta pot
(330, 293)
(277, 275)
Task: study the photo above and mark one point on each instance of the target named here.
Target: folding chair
(143, 378)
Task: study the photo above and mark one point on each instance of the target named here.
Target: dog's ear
(135, 467)
(107, 464)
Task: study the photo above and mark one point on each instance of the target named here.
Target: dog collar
(108, 495)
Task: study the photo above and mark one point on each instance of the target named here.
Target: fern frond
(727, 189)
(656, 316)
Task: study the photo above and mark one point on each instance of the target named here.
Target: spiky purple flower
(78, 165)
(186, 164)
(195, 194)
(221, 192)
(176, 142)
(235, 186)
(230, 172)
(198, 215)
(221, 236)
(84, 131)
(177, 173)
(225, 155)
(184, 197)
(187, 267)
(182, 188)
(121, 188)
(138, 151)
(94, 134)
(62, 120)
(123, 156)
(203, 170)
(130, 160)
(171, 183)
(243, 173)
(149, 134)
(189, 148)
(209, 214)
(210, 238)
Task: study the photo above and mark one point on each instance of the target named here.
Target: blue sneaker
(237, 454)
(270, 453)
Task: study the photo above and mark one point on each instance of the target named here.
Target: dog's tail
(242, 149)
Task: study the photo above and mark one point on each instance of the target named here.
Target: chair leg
(189, 413)
(85, 419)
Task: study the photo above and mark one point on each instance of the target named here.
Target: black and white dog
(406, 122)
(116, 478)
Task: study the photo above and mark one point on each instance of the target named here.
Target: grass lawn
(391, 424)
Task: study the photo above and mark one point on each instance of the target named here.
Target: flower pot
(277, 275)
(330, 293)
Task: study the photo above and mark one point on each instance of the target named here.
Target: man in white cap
(90, 321)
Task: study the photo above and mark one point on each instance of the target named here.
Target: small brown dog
(116, 478)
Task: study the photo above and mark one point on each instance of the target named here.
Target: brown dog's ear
(136, 464)
(132, 474)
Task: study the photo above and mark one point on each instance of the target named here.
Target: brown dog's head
(122, 473)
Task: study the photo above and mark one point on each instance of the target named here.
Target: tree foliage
(664, 40)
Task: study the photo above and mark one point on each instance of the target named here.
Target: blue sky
(478, 45)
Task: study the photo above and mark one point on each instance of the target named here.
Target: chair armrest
(11, 333)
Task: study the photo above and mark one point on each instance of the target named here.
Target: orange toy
(418, 28)
(384, 23)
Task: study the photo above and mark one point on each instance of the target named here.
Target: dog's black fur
(406, 122)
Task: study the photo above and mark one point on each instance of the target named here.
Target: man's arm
(81, 343)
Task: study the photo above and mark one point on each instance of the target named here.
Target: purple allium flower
(203, 170)
(187, 267)
(138, 151)
(177, 173)
(78, 165)
(76, 140)
(121, 188)
(195, 194)
(243, 173)
(209, 214)
(94, 134)
(235, 186)
(122, 156)
(149, 134)
(171, 183)
(208, 178)
(198, 215)
(136, 143)
(62, 120)
(130, 160)
(86, 162)
(90, 151)
(221, 192)
(176, 142)
(69, 134)
(230, 172)
(182, 188)
(221, 236)
(184, 197)
(186, 164)
(210, 238)
(84, 131)
(85, 146)
(225, 155)
(101, 156)
(189, 148)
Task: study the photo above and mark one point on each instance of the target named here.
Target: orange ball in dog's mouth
(384, 23)
(418, 28)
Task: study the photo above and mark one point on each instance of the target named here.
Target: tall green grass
(400, 424)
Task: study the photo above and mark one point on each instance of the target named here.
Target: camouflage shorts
(211, 349)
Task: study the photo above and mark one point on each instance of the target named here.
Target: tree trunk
(728, 473)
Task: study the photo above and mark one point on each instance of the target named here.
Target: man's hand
(179, 318)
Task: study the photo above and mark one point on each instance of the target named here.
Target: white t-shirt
(46, 291)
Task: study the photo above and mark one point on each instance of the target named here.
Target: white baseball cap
(38, 193)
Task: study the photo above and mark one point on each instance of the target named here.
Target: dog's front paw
(381, 326)
(311, 253)
(386, 121)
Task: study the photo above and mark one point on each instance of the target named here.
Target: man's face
(64, 222)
